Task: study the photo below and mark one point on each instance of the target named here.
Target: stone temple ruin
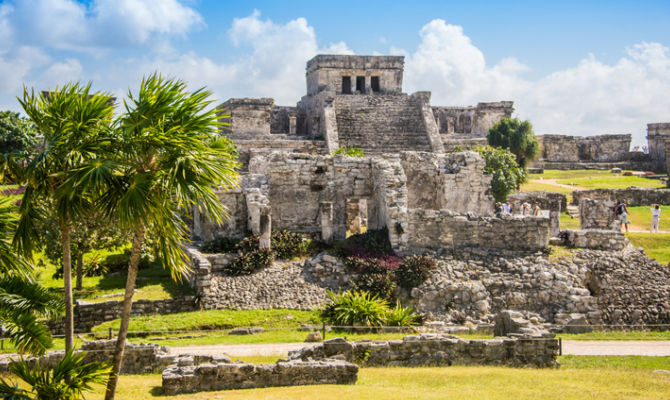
(430, 199)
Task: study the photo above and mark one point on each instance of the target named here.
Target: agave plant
(401, 316)
(355, 308)
(68, 380)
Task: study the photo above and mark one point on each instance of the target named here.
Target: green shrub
(354, 308)
(374, 275)
(414, 270)
(249, 262)
(286, 244)
(350, 151)
(220, 245)
(402, 316)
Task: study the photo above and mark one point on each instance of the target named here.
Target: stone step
(573, 211)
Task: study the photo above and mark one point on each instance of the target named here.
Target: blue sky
(579, 68)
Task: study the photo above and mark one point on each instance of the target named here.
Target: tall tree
(74, 123)
(18, 138)
(166, 160)
(516, 136)
(507, 175)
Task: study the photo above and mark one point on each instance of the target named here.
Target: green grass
(216, 319)
(641, 217)
(579, 381)
(568, 222)
(575, 174)
(613, 181)
(614, 362)
(656, 245)
(532, 186)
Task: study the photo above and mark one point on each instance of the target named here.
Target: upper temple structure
(357, 101)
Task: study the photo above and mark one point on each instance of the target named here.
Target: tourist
(621, 214)
(655, 217)
(498, 209)
(536, 210)
(526, 208)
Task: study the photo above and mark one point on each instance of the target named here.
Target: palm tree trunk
(67, 283)
(133, 266)
(80, 270)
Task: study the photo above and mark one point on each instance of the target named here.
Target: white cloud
(274, 65)
(589, 99)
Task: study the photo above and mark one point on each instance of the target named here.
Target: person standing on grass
(621, 214)
(655, 217)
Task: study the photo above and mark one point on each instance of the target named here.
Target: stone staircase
(381, 123)
(573, 211)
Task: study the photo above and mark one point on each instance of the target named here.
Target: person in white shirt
(655, 217)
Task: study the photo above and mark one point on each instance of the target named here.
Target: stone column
(326, 211)
(353, 221)
(292, 125)
(265, 228)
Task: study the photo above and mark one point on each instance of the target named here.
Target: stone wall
(471, 121)
(187, 377)
(438, 350)
(597, 214)
(599, 239)
(584, 149)
(325, 72)
(142, 358)
(435, 229)
(453, 181)
(555, 203)
(658, 135)
(87, 315)
(634, 196)
(247, 117)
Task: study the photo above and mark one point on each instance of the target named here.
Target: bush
(402, 316)
(414, 270)
(374, 275)
(286, 244)
(249, 262)
(373, 243)
(350, 151)
(506, 173)
(220, 245)
(354, 308)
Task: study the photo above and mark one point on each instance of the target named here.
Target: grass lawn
(539, 186)
(656, 245)
(617, 335)
(579, 378)
(577, 174)
(613, 181)
(641, 217)
(568, 222)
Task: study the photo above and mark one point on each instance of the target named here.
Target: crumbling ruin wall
(658, 136)
(185, 376)
(324, 73)
(299, 184)
(453, 181)
(139, 358)
(474, 121)
(234, 226)
(248, 118)
(283, 120)
(435, 229)
(633, 195)
(554, 202)
(599, 239)
(574, 152)
(438, 350)
(597, 214)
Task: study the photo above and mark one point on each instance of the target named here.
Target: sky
(571, 67)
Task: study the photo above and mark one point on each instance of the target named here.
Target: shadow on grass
(156, 391)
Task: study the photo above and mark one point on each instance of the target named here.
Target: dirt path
(554, 182)
(575, 347)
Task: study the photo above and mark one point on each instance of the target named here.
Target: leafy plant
(350, 151)
(67, 380)
(18, 138)
(414, 270)
(286, 244)
(402, 316)
(220, 245)
(249, 262)
(506, 173)
(374, 275)
(354, 308)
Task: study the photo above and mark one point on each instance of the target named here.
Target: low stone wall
(87, 315)
(186, 377)
(554, 202)
(140, 358)
(634, 196)
(435, 229)
(598, 239)
(438, 350)
(597, 214)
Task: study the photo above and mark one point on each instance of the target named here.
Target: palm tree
(167, 161)
(22, 300)
(73, 122)
(68, 379)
